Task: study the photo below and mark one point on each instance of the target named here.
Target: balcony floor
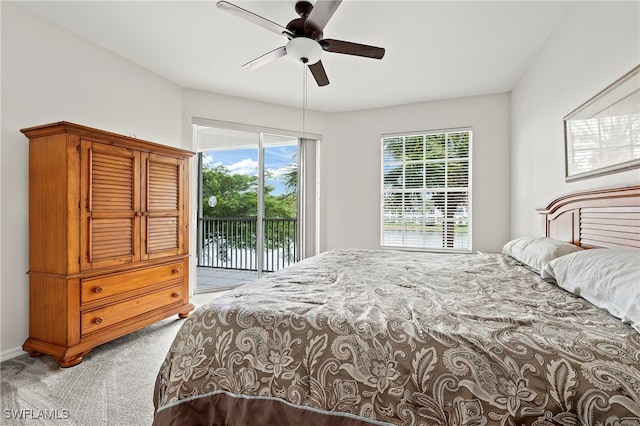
(216, 279)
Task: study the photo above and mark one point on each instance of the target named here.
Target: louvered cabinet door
(163, 199)
(110, 219)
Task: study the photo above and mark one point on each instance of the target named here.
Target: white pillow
(607, 278)
(536, 252)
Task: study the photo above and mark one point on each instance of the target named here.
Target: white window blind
(426, 190)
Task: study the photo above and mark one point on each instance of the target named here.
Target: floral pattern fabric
(406, 338)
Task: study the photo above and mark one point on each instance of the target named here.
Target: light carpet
(112, 386)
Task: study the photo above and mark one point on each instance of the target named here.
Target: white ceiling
(434, 49)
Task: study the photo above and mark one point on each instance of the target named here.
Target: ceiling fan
(306, 41)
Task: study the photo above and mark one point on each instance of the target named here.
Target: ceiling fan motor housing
(300, 27)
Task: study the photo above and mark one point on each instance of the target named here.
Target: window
(426, 190)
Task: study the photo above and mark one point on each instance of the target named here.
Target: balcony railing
(230, 243)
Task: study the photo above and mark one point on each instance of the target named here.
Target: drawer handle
(176, 294)
(97, 320)
(97, 290)
(176, 271)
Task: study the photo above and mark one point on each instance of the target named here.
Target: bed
(382, 337)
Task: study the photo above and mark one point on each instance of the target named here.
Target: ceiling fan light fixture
(303, 49)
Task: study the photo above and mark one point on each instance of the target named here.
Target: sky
(277, 161)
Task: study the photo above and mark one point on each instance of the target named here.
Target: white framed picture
(603, 135)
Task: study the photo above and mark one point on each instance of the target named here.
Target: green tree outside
(237, 195)
(237, 198)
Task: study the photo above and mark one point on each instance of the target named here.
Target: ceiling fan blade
(349, 48)
(252, 17)
(322, 11)
(266, 58)
(318, 72)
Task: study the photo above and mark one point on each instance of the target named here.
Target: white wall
(593, 45)
(350, 151)
(48, 75)
(351, 167)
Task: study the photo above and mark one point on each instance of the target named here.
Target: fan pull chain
(304, 99)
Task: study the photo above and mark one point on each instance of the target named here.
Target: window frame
(403, 245)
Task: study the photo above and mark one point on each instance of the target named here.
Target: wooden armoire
(108, 237)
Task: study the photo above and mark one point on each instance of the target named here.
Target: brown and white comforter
(361, 337)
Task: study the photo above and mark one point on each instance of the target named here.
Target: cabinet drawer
(97, 319)
(111, 285)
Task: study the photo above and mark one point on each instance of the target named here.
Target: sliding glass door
(248, 206)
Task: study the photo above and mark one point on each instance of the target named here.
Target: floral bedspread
(386, 337)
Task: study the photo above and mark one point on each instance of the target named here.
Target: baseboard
(11, 353)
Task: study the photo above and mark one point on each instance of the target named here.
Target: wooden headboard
(602, 218)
